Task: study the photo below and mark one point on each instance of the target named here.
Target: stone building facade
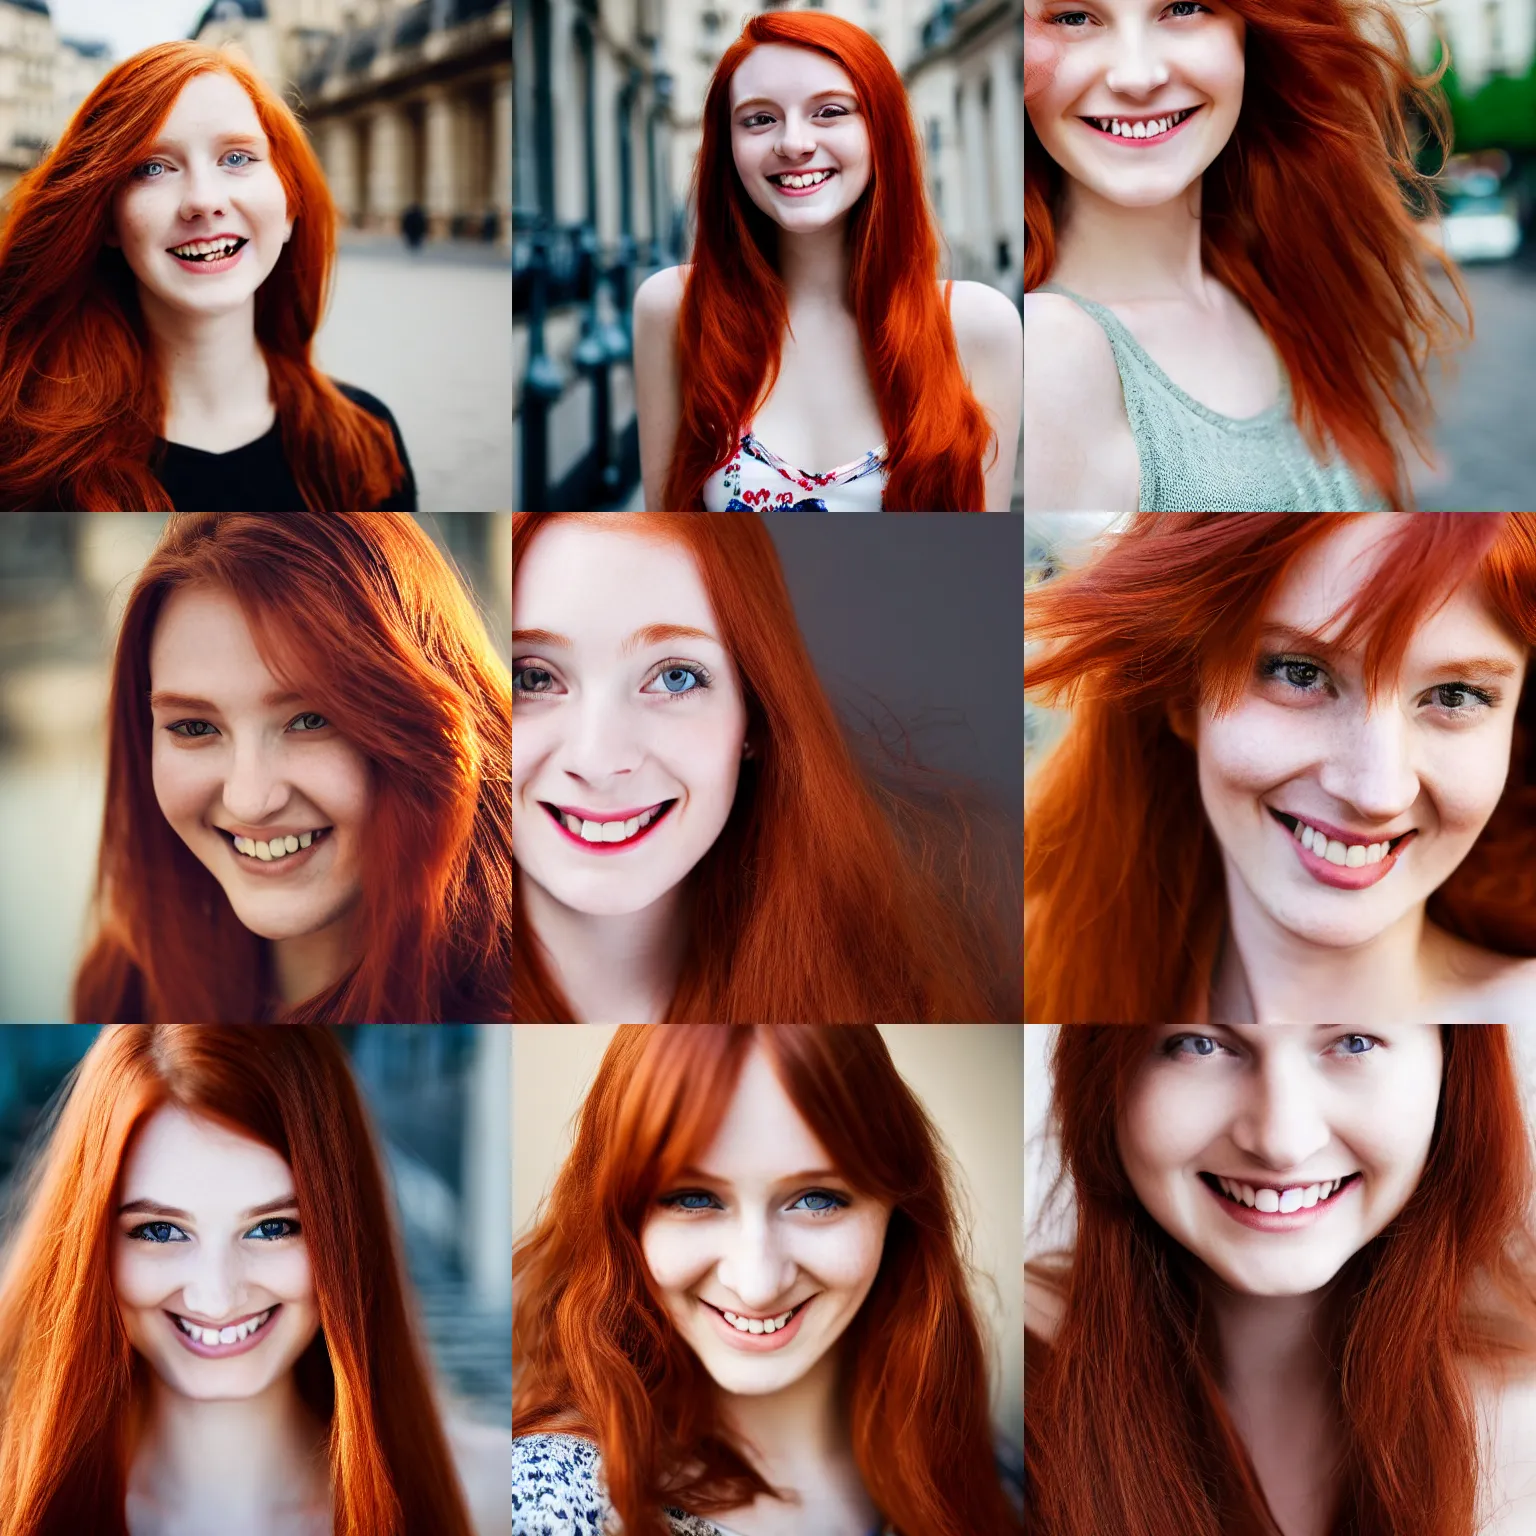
(409, 102)
(43, 78)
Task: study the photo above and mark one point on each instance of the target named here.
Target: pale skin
(624, 697)
(1129, 238)
(794, 109)
(763, 1225)
(1431, 758)
(209, 173)
(1279, 1105)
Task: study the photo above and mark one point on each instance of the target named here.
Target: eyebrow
(768, 101)
(651, 634)
(153, 1208)
(161, 145)
(1471, 666)
(187, 701)
(789, 1178)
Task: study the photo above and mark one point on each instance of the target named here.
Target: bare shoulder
(985, 320)
(1486, 987)
(1511, 992)
(1068, 350)
(659, 296)
(1045, 1305)
(1506, 1409)
(482, 1456)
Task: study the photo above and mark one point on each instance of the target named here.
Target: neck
(1267, 975)
(814, 268)
(1120, 255)
(1270, 1346)
(311, 962)
(212, 365)
(245, 1457)
(797, 1433)
(612, 970)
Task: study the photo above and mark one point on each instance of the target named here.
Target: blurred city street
(430, 333)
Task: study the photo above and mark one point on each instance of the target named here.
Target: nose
(753, 1265)
(795, 140)
(254, 788)
(203, 195)
(1139, 68)
(213, 1283)
(1370, 766)
(1281, 1122)
(602, 744)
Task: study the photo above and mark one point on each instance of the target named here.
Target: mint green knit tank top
(1194, 459)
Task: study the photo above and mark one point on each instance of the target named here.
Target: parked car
(1481, 221)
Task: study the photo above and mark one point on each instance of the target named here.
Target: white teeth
(200, 249)
(275, 848)
(813, 179)
(1353, 855)
(1296, 1197)
(609, 831)
(758, 1325)
(305, 839)
(234, 1333)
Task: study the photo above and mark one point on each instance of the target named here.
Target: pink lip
(276, 868)
(1278, 1221)
(211, 266)
(1341, 876)
(758, 1343)
(586, 815)
(803, 191)
(1162, 138)
(225, 1351)
(601, 849)
(1342, 834)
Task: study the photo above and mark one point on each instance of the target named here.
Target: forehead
(1324, 581)
(202, 644)
(763, 1137)
(181, 1159)
(785, 75)
(598, 586)
(210, 104)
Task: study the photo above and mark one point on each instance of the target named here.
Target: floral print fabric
(757, 480)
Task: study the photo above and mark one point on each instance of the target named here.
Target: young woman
(809, 360)
(204, 1319)
(1298, 782)
(307, 806)
(1301, 1298)
(162, 275)
(1225, 288)
(743, 1311)
(694, 840)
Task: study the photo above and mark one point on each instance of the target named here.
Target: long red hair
(596, 1354)
(370, 622)
(1124, 894)
(82, 398)
(829, 897)
(1125, 1426)
(1307, 217)
(734, 306)
(71, 1395)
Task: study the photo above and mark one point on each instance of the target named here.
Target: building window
(935, 135)
(711, 22)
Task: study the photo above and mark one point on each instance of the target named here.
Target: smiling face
(1280, 1107)
(208, 183)
(767, 1231)
(1301, 751)
(207, 1237)
(238, 756)
(1122, 70)
(794, 114)
(625, 707)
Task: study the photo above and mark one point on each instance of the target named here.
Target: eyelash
(1272, 666)
(1064, 15)
(169, 1226)
(748, 122)
(674, 1201)
(704, 678)
(1170, 1047)
(141, 172)
(309, 714)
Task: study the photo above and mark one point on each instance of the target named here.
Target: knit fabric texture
(1194, 459)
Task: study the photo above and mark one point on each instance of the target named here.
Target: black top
(256, 478)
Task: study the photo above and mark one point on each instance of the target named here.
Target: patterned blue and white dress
(755, 479)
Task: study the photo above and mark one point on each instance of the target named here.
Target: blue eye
(683, 677)
(142, 172)
(834, 1202)
(275, 1228)
(159, 1232)
(248, 159)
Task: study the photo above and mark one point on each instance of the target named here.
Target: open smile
(1140, 132)
(801, 183)
(234, 1338)
(217, 255)
(1278, 1210)
(613, 834)
(1350, 866)
(771, 1333)
(273, 857)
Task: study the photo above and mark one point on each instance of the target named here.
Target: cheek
(1243, 752)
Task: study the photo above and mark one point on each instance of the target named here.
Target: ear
(1181, 721)
(288, 232)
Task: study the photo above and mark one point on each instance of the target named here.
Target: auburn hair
(71, 1396)
(1126, 1429)
(734, 307)
(82, 393)
(595, 1352)
(830, 896)
(372, 625)
(1331, 108)
(1124, 890)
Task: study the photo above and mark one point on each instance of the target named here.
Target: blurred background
(969, 1078)
(64, 580)
(608, 98)
(408, 104)
(439, 1097)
